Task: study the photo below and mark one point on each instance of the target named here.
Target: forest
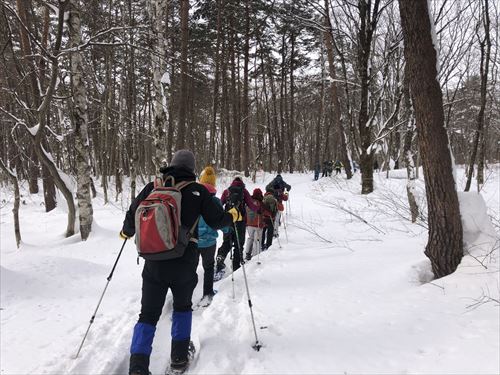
(102, 92)
(389, 264)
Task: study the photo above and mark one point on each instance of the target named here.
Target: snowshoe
(139, 364)
(180, 367)
(248, 256)
(206, 300)
(219, 275)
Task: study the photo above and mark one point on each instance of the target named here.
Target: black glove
(124, 236)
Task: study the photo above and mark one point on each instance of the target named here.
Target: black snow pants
(267, 233)
(208, 261)
(230, 240)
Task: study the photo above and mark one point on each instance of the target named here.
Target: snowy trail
(340, 296)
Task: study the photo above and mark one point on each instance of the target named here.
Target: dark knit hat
(183, 158)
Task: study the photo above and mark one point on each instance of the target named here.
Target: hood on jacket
(238, 182)
(178, 173)
(211, 189)
(257, 194)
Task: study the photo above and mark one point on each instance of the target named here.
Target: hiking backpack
(269, 203)
(253, 218)
(235, 197)
(159, 233)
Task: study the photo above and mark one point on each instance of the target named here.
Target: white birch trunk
(79, 116)
(161, 78)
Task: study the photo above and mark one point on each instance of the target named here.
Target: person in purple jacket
(236, 196)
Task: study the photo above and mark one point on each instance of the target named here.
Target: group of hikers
(328, 167)
(237, 213)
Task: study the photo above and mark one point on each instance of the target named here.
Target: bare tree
(79, 117)
(337, 115)
(17, 198)
(407, 148)
(485, 46)
(161, 79)
(444, 247)
(183, 100)
(36, 119)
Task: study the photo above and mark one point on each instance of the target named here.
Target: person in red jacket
(255, 223)
(236, 196)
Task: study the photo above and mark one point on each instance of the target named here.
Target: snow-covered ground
(347, 292)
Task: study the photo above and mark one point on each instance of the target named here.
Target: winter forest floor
(348, 292)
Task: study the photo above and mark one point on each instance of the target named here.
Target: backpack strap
(181, 185)
(171, 178)
(191, 231)
(158, 182)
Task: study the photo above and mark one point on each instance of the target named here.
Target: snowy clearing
(340, 296)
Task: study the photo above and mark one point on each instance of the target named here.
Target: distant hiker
(236, 196)
(207, 240)
(375, 166)
(281, 189)
(269, 210)
(330, 168)
(325, 169)
(255, 223)
(177, 274)
(317, 169)
(338, 167)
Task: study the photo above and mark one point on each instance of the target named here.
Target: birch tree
(161, 77)
(80, 122)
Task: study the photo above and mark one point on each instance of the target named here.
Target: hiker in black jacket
(179, 274)
(279, 185)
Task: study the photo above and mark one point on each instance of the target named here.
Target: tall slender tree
(444, 247)
(485, 47)
(183, 100)
(80, 120)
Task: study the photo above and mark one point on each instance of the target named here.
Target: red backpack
(159, 233)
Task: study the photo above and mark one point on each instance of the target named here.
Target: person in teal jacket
(207, 240)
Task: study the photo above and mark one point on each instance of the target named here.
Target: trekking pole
(257, 345)
(286, 233)
(285, 219)
(232, 270)
(258, 240)
(258, 250)
(100, 299)
(277, 237)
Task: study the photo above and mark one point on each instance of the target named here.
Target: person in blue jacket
(207, 240)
